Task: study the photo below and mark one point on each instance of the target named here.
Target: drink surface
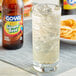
(46, 1)
(46, 26)
(12, 28)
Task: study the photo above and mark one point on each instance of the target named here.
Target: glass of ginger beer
(46, 36)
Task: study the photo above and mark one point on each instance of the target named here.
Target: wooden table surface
(23, 57)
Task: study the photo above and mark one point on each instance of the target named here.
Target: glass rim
(46, 3)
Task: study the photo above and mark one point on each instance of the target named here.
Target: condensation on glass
(46, 36)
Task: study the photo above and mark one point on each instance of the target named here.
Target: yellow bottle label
(13, 25)
(13, 28)
(69, 4)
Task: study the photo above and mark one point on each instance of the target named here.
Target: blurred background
(27, 7)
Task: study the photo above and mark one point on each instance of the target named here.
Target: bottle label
(69, 4)
(13, 27)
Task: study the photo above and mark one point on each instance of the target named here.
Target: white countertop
(9, 70)
(23, 57)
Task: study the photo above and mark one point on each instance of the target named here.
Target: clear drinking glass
(46, 36)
